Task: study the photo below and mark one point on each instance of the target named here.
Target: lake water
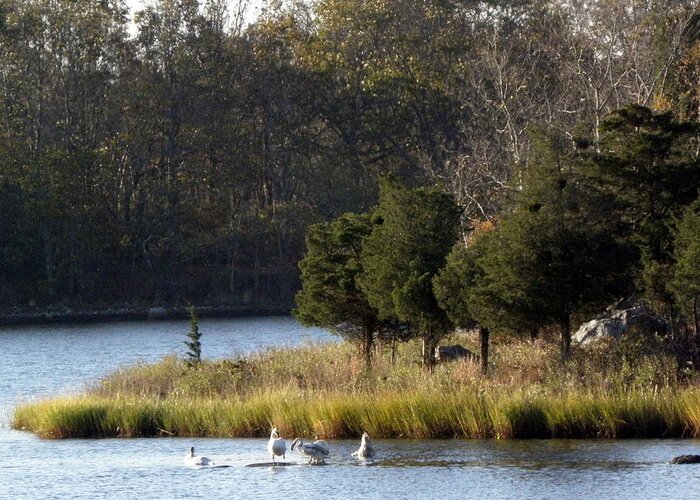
(43, 360)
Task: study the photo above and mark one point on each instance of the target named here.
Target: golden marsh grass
(323, 391)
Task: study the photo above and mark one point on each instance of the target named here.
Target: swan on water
(366, 450)
(316, 451)
(192, 459)
(276, 445)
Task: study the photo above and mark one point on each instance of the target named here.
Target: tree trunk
(368, 337)
(696, 320)
(49, 261)
(484, 340)
(565, 325)
(429, 344)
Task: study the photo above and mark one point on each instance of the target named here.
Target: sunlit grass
(323, 391)
(406, 415)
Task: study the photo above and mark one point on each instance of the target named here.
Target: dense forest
(182, 157)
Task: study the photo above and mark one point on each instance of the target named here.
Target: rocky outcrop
(686, 459)
(452, 352)
(616, 322)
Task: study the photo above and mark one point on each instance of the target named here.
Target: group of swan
(316, 451)
(277, 447)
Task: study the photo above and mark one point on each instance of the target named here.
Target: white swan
(276, 445)
(192, 459)
(366, 450)
(316, 451)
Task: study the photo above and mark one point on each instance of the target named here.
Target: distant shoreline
(64, 314)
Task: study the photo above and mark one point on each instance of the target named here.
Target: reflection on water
(45, 360)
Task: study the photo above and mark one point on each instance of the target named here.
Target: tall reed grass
(406, 415)
(324, 391)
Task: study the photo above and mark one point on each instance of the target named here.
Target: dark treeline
(182, 158)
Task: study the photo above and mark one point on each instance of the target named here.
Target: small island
(616, 390)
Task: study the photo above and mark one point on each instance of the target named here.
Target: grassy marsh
(324, 391)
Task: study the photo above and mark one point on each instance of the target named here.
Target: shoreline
(65, 314)
(325, 390)
(461, 415)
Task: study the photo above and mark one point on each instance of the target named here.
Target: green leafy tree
(62, 65)
(329, 295)
(417, 229)
(386, 69)
(686, 270)
(194, 346)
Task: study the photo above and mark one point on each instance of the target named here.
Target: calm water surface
(39, 361)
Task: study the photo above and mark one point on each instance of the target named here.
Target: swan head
(274, 433)
(296, 442)
(365, 437)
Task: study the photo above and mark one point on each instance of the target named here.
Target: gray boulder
(686, 459)
(157, 313)
(451, 352)
(615, 322)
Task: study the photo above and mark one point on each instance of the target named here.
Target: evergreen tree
(194, 346)
(547, 260)
(329, 296)
(686, 270)
(648, 167)
(457, 291)
(418, 227)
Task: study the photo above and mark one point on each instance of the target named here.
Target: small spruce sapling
(194, 346)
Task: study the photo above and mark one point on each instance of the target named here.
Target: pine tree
(548, 259)
(402, 255)
(330, 297)
(194, 346)
(686, 270)
(647, 166)
(456, 288)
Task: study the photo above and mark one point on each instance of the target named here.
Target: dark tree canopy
(685, 283)
(416, 230)
(546, 260)
(182, 158)
(649, 168)
(329, 295)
